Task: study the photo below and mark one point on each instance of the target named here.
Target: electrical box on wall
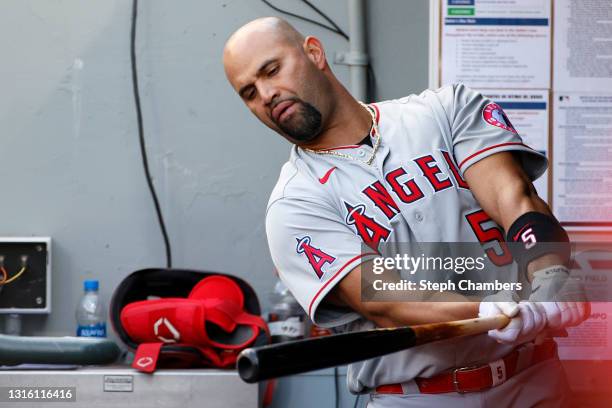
(25, 275)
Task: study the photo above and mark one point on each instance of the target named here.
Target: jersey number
(491, 234)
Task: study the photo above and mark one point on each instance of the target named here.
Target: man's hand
(527, 318)
(560, 296)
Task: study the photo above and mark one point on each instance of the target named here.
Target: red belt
(477, 378)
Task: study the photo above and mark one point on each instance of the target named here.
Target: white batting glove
(561, 297)
(527, 318)
(534, 321)
(505, 303)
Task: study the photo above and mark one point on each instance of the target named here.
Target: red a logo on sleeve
(316, 257)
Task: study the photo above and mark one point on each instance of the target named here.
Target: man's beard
(305, 123)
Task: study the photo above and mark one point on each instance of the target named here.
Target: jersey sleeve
(479, 128)
(313, 249)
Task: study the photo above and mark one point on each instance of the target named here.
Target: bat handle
(484, 324)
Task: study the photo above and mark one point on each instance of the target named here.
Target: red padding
(170, 320)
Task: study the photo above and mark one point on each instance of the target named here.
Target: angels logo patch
(316, 257)
(494, 115)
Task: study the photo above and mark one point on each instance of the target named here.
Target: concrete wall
(70, 161)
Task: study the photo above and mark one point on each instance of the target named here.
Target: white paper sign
(496, 43)
(583, 45)
(582, 155)
(591, 339)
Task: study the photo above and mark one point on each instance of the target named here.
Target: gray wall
(70, 164)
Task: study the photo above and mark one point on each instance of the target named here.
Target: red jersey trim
(334, 277)
(492, 147)
(377, 112)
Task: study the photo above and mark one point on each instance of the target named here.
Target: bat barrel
(294, 357)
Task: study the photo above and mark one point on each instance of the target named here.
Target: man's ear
(315, 52)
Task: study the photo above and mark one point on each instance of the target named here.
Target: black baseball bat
(294, 357)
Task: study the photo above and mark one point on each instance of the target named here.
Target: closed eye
(273, 71)
(249, 93)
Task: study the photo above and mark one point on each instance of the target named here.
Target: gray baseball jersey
(324, 207)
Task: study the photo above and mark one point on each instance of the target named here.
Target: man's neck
(367, 140)
(347, 126)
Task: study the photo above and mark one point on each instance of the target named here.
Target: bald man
(434, 167)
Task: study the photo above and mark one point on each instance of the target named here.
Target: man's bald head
(282, 76)
(274, 30)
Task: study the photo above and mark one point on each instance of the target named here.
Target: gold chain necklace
(347, 156)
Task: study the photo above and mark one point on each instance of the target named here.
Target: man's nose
(268, 93)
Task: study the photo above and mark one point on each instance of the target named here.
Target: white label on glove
(292, 327)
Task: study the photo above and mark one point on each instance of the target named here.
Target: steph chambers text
(462, 285)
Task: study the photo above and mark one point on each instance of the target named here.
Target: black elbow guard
(534, 234)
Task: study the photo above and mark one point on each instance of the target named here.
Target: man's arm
(440, 307)
(504, 192)
(393, 314)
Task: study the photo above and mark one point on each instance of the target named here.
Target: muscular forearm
(426, 307)
(394, 314)
(516, 202)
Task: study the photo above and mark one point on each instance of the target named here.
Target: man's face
(278, 84)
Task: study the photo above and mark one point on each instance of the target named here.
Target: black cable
(372, 83)
(329, 20)
(143, 150)
(288, 13)
(356, 401)
(336, 391)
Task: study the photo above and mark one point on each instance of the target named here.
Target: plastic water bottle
(90, 312)
(287, 320)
